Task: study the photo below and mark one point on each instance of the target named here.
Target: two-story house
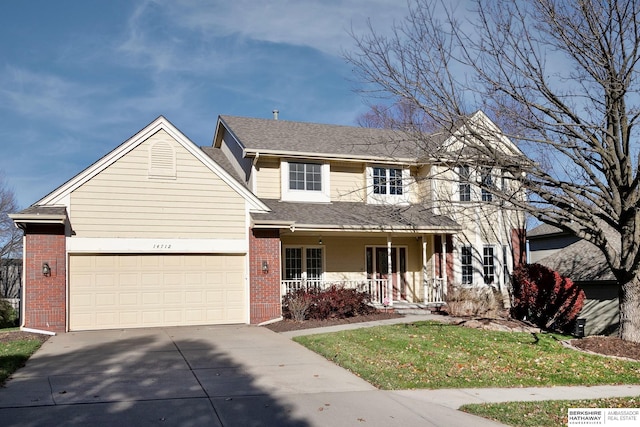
(161, 232)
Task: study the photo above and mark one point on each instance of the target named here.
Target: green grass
(14, 354)
(542, 414)
(436, 355)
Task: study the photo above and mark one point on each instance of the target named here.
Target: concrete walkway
(227, 376)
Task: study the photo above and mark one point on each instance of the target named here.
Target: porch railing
(434, 290)
(378, 289)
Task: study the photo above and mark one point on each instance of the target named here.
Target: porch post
(425, 278)
(389, 272)
(444, 267)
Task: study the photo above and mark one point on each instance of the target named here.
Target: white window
(466, 261)
(387, 184)
(488, 265)
(303, 263)
(305, 181)
(464, 183)
(486, 179)
(305, 176)
(387, 181)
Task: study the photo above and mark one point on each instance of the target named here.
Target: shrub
(333, 302)
(544, 297)
(484, 301)
(295, 305)
(8, 316)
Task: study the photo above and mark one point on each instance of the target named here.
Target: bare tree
(561, 80)
(10, 242)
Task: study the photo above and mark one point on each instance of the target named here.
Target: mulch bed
(609, 346)
(291, 325)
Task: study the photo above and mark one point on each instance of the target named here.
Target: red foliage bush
(544, 297)
(333, 302)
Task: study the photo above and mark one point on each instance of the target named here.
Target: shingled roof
(282, 136)
(581, 261)
(353, 216)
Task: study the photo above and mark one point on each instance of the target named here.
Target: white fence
(378, 289)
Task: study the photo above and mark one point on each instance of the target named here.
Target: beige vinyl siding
(125, 201)
(421, 185)
(267, 178)
(348, 182)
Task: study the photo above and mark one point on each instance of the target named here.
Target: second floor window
(464, 189)
(387, 181)
(487, 184)
(305, 176)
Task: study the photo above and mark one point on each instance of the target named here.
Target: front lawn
(544, 414)
(15, 349)
(437, 355)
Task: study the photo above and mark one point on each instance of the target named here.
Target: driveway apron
(234, 375)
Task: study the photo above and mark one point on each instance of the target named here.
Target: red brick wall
(518, 244)
(45, 296)
(265, 303)
(447, 259)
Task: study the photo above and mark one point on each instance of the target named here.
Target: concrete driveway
(200, 376)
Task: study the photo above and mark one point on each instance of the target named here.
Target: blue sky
(78, 77)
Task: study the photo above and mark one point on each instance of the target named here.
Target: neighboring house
(160, 232)
(586, 266)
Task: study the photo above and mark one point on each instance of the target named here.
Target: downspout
(389, 272)
(22, 281)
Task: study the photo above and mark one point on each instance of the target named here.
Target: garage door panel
(127, 291)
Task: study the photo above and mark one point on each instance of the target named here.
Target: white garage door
(132, 291)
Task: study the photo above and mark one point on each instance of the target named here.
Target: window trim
(491, 266)
(467, 265)
(386, 197)
(464, 181)
(303, 261)
(294, 195)
(487, 182)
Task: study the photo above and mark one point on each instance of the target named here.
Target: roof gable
(482, 130)
(59, 195)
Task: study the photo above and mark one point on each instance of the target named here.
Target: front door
(378, 268)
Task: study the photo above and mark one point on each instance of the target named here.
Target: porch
(389, 267)
(381, 291)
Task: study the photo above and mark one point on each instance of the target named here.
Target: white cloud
(319, 24)
(44, 94)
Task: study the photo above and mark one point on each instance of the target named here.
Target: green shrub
(8, 316)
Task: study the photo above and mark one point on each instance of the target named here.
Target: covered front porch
(390, 268)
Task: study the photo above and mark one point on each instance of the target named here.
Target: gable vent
(162, 160)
